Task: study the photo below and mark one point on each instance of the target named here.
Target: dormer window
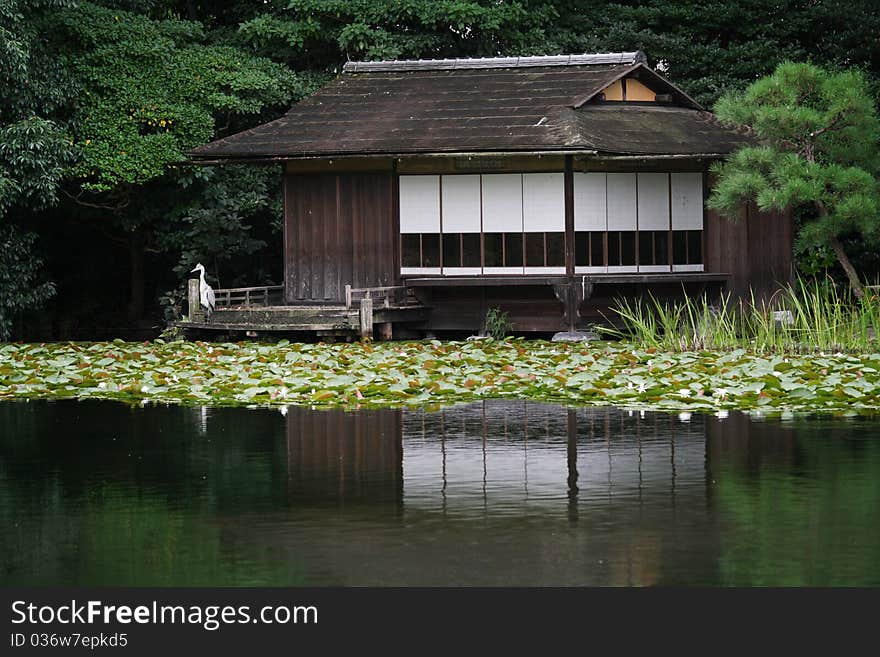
(627, 90)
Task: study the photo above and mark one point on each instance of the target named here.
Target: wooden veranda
(255, 310)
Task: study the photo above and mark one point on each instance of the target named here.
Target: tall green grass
(817, 317)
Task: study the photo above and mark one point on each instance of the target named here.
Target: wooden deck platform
(321, 319)
(255, 310)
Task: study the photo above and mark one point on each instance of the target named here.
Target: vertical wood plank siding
(756, 250)
(340, 230)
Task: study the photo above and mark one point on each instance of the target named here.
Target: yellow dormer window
(628, 89)
(635, 90)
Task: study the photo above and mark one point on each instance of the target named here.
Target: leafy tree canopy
(818, 136)
(324, 33)
(153, 89)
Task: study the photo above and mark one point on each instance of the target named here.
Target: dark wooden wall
(756, 250)
(340, 229)
(529, 308)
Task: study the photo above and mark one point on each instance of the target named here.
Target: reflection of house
(520, 455)
(338, 456)
(608, 493)
(515, 453)
(544, 185)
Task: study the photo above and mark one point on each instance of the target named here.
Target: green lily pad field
(433, 372)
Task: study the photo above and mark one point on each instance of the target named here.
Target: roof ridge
(586, 59)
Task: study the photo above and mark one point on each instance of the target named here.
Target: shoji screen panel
(687, 220)
(590, 222)
(419, 204)
(420, 215)
(461, 204)
(687, 201)
(622, 221)
(544, 222)
(502, 199)
(543, 202)
(461, 224)
(621, 201)
(653, 197)
(502, 203)
(653, 221)
(590, 202)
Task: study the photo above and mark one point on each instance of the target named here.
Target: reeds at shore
(809, 316)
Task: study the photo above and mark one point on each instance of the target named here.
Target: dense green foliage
(819, 146)
(152, 90)
(419, 373)
(101, 99)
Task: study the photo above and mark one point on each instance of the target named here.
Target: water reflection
(501, 492)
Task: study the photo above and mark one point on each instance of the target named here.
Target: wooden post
(195, 308)
(348, 297)
(386, 332)
(366, 317)
(569, 216)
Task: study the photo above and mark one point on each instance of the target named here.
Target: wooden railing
(247, 297)
(383, 297)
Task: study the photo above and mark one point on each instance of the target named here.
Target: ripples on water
(494, 493)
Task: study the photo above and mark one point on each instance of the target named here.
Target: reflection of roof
(480, 105)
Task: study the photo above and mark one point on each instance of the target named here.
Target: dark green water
(500, 493)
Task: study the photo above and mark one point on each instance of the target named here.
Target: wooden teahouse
(419, 194)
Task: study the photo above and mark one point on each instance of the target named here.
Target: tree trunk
(136, 277)
(842, 258)
(851, 273)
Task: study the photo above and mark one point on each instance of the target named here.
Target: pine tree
(816, 144)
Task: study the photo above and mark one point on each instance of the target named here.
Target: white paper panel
(462, 271)
(687, 267)
(653, 201)
(419, 271)
(543, 202)
(621, 201)
(419, 204)
(502, 270)
(589, 201)
(687, 201)
(502, 203)
(461, 203)
(656, 269)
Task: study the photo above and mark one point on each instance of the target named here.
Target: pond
(490, 493)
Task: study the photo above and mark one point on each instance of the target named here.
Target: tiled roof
(510, 104)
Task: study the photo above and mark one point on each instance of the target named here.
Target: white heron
(206, 292)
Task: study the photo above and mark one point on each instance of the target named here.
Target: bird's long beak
(193, 270)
